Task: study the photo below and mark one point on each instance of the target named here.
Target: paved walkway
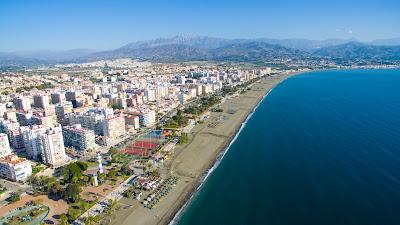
(15, 212)
(99, 207)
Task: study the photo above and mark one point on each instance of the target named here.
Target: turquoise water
(322, 148)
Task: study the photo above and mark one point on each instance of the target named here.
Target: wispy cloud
(345, 31)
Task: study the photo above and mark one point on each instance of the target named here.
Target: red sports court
(145, 144)
(136, 151)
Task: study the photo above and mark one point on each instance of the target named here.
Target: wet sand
(191, 161)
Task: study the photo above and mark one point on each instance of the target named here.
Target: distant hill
(168, 52)
(203, 42)
(7, 59)
(44, 57)
(255, 51)
(212, 42)
(356, 50)
(54, 56)
(305, 44)
(246, 51)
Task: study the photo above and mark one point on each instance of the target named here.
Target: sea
(322, 148)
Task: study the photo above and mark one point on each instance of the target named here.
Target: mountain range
(186, 48)
(356, 50)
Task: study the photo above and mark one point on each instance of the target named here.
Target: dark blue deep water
(322, 148)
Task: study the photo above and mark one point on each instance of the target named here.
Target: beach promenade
(191, 161)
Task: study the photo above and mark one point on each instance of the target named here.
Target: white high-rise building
(181, 79)
(150, 94)
(22, 103)
(46, 144)
(114, 126)
(4, 145)
(147, 118)
(161, 91)
(52, 145)
(62, 110)
(57, 97)
(183, 97)
(206, 89)
(14, 168)
(199, 90)
(11, 115)
(24, 118)
(31, 137)
(192, 92)
(90, 121)
(72, 95)
(80, 138)
(3, 109)
(132, 120)
(41, 101)
(12, 129)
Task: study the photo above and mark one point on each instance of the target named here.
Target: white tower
(99, 162)
(95, 181)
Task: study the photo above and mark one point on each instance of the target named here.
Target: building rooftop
(12, 159)
(77, 128)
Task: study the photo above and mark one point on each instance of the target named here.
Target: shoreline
(196, 177)
(183, 209)
(224, 149)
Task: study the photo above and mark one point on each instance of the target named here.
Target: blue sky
(102, 24)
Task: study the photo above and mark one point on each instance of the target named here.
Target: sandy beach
(191, 161)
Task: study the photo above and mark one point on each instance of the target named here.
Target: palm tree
(110, 209)
(90, 220)
(113, 205)
(64, 219)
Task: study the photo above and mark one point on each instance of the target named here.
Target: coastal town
(83, 143)
(196, 112)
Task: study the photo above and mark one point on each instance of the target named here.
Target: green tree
(15, 197)
(73, 172)
(94, 80)
(116, 106)
(111, 208)
(101, 175)
(113, 150)
(56, 188)
(126, 170)
(5, 93)
(85, 179)
(112, 174)
(84, 205)
(184, 138)
(82, 165)
(73, 213)
(64, 219)
(71, 193)
(90, 220)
